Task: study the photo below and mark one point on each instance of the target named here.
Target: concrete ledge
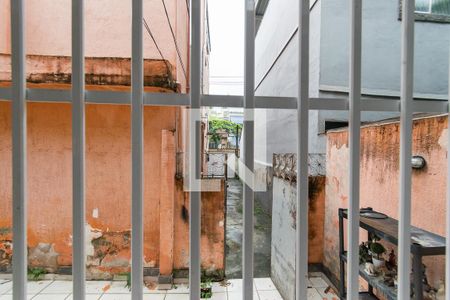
(165, 282)
(110, 71)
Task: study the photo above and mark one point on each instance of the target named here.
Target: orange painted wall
(108, 177)
(380, 181)
(108, 29)
(212, 232)
(316, 218)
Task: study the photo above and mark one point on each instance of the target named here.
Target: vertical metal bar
(78, 146)
(354, 143)
(137, 149)
(249, 106)
(301, 262)
(195, 152)
(19, 148)
(341, 252)
(404, 230)
(447, 257)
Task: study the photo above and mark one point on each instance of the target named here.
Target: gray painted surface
(276, 130)
(381, 49)
(276, 66)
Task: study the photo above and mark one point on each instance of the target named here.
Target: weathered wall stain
(284, 225)
(99, 71)
(108, 183)
(5, 248)
(212, 231)
(380, 144)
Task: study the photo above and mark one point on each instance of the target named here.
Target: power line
(174, 40)
(188, 8)
(157, 47)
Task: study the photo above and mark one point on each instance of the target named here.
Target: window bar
(78, 147)
(249, 106)
(19, 160)
(302, 150)
(447, 257)
(354, 143)
(194, 152)
(137, 148)
(406, 98)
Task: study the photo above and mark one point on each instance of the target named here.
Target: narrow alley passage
(262, 234)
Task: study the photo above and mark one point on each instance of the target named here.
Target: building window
(330, 125)
(438, 7)
(431, 10)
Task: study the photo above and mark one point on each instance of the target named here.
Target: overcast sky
(226, 23)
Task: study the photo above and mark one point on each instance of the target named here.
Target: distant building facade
(277, 56)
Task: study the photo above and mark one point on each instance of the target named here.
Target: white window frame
(78, 96)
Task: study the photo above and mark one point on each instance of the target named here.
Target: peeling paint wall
(108, 190)
(108, 34)
(380, 181)
(212, 231)
(284, 215)
(99, 71)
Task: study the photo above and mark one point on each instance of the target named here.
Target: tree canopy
(216, 124)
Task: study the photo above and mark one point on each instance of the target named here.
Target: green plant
(128, 284)
(35, 273)
(206, 289)
(218, 124)
(373, 237)
(364, 255)
(377, 249)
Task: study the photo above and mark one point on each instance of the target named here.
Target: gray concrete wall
(276, 129)
(283, 237)
(381, 50)
(276, 65)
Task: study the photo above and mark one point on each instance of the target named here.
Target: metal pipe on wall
(137, 151)
(406, 98)
(78, 151)
(301, 262)
(19, 147)
(354, 148)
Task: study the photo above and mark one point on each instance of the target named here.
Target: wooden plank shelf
(423, 243)
(377, 282)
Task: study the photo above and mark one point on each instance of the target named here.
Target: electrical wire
(188, 8)
(174, 39)
(157, 47)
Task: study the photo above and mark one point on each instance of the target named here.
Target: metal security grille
(18, 94)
